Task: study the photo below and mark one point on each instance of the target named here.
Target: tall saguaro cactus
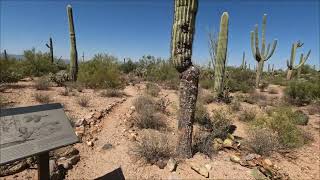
(73, 50)
(264, 54)
(290, 64)
(5, 55)
(244, 63)
(221, 56)
(181, 50)
(50, 46)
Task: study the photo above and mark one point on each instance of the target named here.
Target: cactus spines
(50, 46)
(219, 68)
(73, 50)
(264, 54)
(290, 64)
(5, 55)
(181, 50)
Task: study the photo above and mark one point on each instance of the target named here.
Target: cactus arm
(258, 54)
(253, 48)
(263, 38)
(274, 45)
(47, 46)
(302, 60)
(268, 50)
(288, 64)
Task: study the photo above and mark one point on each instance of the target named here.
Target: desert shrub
(42, 83)
(102, 71)
(60, 78)
(314, 108)
(278, 79)
(206, 98)
(221, 124)
(203, 143)
(255, 98)
(9, 71)
(300, 118)
(152, 89)
(240, 80)
(301, 92)
(42, 98)
(83, 101)
(263, 141)
(75, 86)
(128, 66)
(273, 90)
(207, 83)
(247, 115)
(65, 92)
(154, 148)
(143, 102)
(112, 93)
(2, 101)
(282, 121)
(235, 105)
(201, 115)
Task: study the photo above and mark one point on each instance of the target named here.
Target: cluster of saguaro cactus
(73, 50)
(290, 64)
(50, 46)
(264, 54)
(244, 62)
(181, 51)
(221, 56)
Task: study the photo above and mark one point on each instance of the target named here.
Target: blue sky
(132, 28)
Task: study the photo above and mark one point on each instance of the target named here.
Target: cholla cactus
(264, 54)
(181, 50)
(50, 46)
(219, 68)
(290, 64)
(73, 51)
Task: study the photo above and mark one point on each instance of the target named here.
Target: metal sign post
(34, 131)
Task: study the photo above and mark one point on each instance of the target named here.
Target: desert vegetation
(173, 115)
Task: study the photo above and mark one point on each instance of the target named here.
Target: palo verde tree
(181, 51)
(221, 56)
(73, 50)
(290, 64)
(264, 54)
(50, 46)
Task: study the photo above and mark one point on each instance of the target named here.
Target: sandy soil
(302, 163)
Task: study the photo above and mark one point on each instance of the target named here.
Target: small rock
(217, 144)
(171, 165)
(66, 165)
(227, 143)
(208, 166)
(230, 136)
(251, 156)
(200, 169)
(79, 131)
(73, 160)
(90, 143)
(133, 108)
(258, 175)
(81, 122)
(97, 115)
(235, 159)
(106, 146)
(267, 162)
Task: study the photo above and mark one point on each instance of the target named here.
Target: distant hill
(21, 57)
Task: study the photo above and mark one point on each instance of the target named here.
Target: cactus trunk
(219, 69)
(259, 70)
(289, 74)
(5, 55)
(181, 51)
(73, 50)
(50, 46)
(243, 64)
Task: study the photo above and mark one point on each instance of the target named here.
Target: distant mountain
(21, 57)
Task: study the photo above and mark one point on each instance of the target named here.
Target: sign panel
(27, 131)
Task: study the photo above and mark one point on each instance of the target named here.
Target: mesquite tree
(181, 51)
(73, 50)
(221, 56)
(290, 64)
(50, 46)
(261, 55)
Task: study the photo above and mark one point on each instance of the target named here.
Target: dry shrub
(83, 101)
(42, 98)
(152, 89)
(42, 83)
(154, 148)
(207, 98)
(247, 115)
(201, 115)
(112, 93)
(263, 86)
(263, 141)
(65, 92)
(203, 143)
(235, 105)
(314, 108)
(221, 124)
(143, 102)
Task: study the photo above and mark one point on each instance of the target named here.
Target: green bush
(263, 141)
(9, 71)
(239, 80)
(301, 92)
(128, 66)
(100, 72)
(282, 120)
(206, 83)
(221, 124)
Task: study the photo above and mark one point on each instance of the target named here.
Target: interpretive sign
(33, 130)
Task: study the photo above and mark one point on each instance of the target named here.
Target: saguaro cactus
(5, 55)
(73, 50)
(219, 68)
(182, 38)
(244, 63)
(290, 64)
(50, 46)
(264, 54)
